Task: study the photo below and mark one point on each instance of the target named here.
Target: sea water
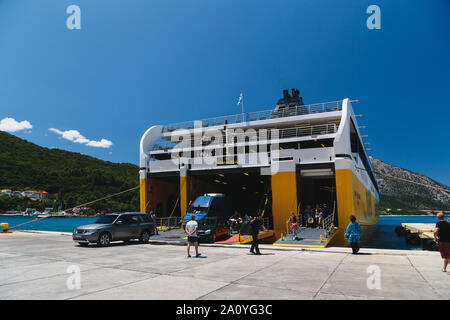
(383, 236)
(47, 224)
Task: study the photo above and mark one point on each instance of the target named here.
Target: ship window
(309, 144)
(161, 156)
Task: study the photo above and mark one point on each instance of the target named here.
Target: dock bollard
(5, 228)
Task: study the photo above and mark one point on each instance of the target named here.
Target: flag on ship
(241, 98)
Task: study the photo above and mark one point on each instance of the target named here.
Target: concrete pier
(36, 265)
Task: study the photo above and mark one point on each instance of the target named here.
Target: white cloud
(76, 137)
(11, 125)
(100, 144)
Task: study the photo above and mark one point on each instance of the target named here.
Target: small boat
(44, 214)
(29, 212)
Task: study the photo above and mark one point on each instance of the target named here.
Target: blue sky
(137, 63)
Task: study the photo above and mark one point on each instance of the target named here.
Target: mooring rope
(81, 205)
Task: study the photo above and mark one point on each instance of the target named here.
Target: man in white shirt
(191, 230)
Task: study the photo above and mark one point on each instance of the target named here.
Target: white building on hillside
(6, 192)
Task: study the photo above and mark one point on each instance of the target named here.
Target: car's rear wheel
(104, 240)
(145, 237)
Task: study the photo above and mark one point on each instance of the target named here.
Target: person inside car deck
(257, 224)
(294, 225)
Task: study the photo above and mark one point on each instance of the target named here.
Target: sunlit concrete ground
(35, 265)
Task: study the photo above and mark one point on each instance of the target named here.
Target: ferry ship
(271, 162)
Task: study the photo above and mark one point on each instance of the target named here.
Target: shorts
(192, 239)
(444, 249)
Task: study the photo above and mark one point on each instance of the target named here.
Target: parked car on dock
(121, 226)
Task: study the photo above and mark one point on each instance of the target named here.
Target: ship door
(317, 187)
(249, 190)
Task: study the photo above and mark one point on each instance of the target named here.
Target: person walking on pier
(442, 236)
(353, 234)
(256, 224)
(191, 230)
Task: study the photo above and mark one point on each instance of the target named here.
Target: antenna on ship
(242, 106)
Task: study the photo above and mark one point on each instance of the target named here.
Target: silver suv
(121, 226)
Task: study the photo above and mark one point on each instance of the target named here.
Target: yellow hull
(353, 198)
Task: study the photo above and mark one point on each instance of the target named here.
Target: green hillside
(71, 178)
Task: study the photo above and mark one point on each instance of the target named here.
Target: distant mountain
(396, 194)
(71, 177)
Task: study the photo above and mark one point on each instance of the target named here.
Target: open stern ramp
(307, 237)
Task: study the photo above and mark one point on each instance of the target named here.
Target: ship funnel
(290, 101)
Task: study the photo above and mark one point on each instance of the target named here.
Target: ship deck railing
(259, 115)
(328, 226)
(304, 131)
(168, 222)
